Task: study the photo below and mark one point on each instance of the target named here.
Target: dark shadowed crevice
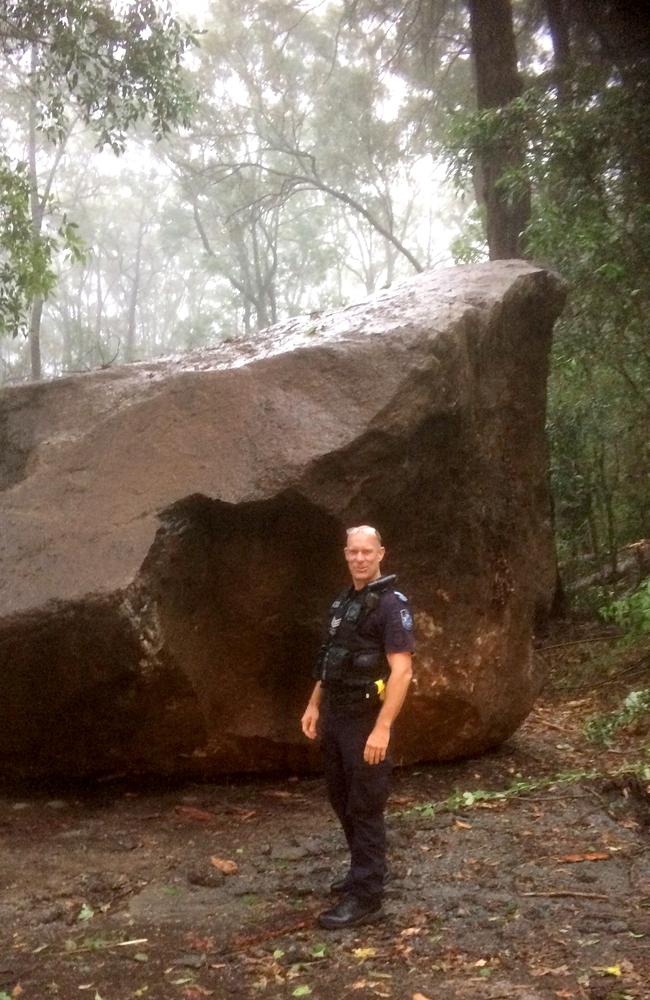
(238, 593)
(15, 442)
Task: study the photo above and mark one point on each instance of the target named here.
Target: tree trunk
(129, 351)
(562, 63)
(497, 83)
(35, 337)
(36, 211)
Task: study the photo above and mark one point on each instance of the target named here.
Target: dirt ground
(523, 874)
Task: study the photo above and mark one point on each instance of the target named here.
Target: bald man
(363, 674)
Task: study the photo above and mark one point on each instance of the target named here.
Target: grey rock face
(172, 531)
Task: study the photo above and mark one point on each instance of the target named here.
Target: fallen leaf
(419, 996)
(460, 825)
(563, 994)
(360, 984)
(195, 992)
(224, 865)
(17, 990)
(364, 953)
(589, 856)
(560, 970)
(201, 943)
(301, 991)
(609, 970)
(629, 824)
(190, 812)
(410, 931)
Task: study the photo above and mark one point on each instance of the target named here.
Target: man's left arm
(397, 686)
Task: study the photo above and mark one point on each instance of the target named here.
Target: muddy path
(523, 874)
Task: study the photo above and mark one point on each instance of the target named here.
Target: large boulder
(171, 532)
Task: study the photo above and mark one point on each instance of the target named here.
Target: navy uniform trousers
(358, 793)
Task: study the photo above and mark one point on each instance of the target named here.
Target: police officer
(363, 671)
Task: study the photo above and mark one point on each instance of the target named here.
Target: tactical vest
(347, 658)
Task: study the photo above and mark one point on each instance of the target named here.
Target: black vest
(348, 658)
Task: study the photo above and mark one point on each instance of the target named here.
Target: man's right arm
(309, 721)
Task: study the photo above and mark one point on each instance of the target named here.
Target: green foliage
(115, 68)
(78, 59)
(631, 612)
(602, 729)
(27, 258)
(587, 166)
(463, 800)
(25, 262)
(469, 247)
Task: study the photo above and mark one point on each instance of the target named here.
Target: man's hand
(309, 722)
(377, 745)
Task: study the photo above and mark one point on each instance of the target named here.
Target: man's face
(363, 554)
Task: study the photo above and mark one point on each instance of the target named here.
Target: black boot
(343, 882)
(350, 912)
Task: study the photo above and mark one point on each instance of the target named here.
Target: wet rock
(171, 531)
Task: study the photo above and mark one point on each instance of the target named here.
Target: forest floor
(523, 874)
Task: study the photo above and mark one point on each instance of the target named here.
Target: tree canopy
(76, 60)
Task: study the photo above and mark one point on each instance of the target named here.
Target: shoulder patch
(401, 596)
(407, 620)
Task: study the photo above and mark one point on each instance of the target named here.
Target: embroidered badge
(401, 596)
(407, 620)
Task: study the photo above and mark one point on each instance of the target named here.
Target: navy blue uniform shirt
(390, 624)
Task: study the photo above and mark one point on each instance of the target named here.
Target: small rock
(287, 852)
(48, 914)
(209, 878)
(190, 961)
(298, 890)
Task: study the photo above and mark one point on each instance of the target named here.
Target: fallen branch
(103, 946)
(550, 725)
(306, 920)
(561, 893)
(578, 642)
